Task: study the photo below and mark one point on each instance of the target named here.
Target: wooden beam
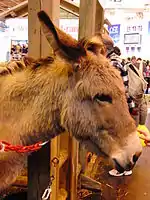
(39, 162)
(3, 4)
(38, 173)
(66, 5)
(87, 14)
(52, 8)
(15, 2)
(7, 4)
(99, 20)
(24, 14)
(15, 8)
(1, 9)
(69, 11)
(13, 14)
(34, 30)
(87, 18)
(73, 147)
(91, 20)
(70, 6)
(22, 11)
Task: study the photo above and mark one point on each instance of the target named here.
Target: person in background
(140, 66)
(123, 62)
(113, 54)
(133, 60)
(18, 48)
(144, 69)
(145, 135)
(147, 75)
(135, 71)
(13, 49)
(24, 50)
(128, 59)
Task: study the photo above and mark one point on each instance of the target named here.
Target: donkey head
(94, 107)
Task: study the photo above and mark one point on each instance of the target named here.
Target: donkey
(75, 90)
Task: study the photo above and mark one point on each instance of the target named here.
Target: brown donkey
(76, 90)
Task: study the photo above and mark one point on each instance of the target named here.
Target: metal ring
(55, 161)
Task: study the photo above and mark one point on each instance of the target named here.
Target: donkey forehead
(102, 77)
(103, 84)
(99, 65)
(99, 69)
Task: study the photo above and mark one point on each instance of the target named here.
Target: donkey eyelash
(103, 98)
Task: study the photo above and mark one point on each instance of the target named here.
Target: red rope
(5, 146)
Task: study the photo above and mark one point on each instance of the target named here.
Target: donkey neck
(52, 84)
(31, 102)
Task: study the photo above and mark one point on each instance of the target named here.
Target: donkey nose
(136, 157)
(118, 166)
(130, 165)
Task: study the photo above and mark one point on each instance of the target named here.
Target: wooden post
(91, 18)
(86, 24)
(99, 20)
(52, 7)
(73, 147)
(87, 15)
(34, 31)
(91, 21)
(38, 173)
(39, 162)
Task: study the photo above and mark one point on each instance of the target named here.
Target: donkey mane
(12, 67)
(9, 68)
(42, 62)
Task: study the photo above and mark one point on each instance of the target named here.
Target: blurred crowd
(18, 51)
(144, 68)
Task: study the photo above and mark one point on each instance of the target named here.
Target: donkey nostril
(118, 166)
(136, 157)
(129, 166)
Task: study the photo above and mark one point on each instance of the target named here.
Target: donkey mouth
(118, 167)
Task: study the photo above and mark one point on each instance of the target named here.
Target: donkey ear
(57, 39)
(28, 60)
(94, 45)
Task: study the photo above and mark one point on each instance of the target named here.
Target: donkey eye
(103, 98)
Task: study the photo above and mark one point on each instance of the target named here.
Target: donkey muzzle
(128, 166)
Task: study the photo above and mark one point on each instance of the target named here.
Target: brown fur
(94, 44)
(61, 93)
(11, 67)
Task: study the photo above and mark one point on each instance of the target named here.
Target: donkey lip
(118, 167)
